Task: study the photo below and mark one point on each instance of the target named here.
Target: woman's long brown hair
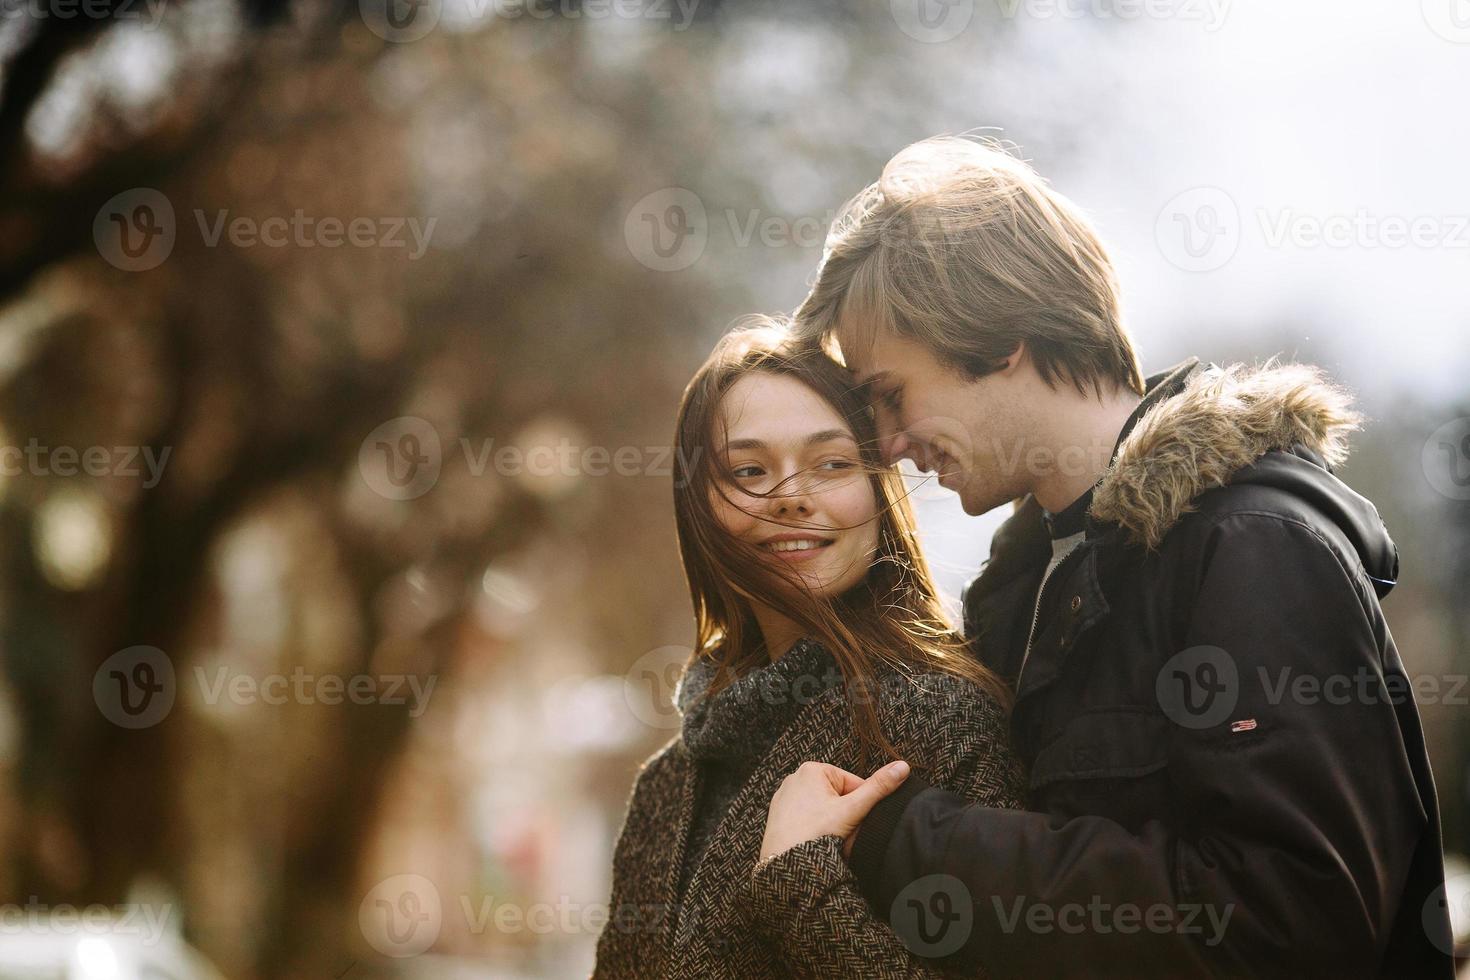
(893, 616)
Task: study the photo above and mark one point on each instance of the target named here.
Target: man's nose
(894, 446)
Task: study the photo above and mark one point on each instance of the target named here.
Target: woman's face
(822, 522)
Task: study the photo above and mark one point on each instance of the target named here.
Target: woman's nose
(795, 501)
(793, 495)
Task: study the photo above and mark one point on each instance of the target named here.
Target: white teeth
(803, 544)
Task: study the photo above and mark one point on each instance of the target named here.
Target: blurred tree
(262, 371)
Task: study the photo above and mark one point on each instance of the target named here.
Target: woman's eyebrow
(825, 435)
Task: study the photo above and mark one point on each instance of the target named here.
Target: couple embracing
(1097, 773)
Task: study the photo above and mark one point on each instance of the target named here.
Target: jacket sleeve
(806, 900)
(1288, 844)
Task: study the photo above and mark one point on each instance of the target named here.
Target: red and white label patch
(1244, 725)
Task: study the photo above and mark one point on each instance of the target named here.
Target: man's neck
(1082, 446)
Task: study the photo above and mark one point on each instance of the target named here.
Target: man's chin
(976, 504)
(971, 509)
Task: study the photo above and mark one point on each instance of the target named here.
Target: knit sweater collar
(742, 721)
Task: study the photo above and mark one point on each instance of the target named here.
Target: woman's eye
(838, 464)
(746, 472)
(892, 397)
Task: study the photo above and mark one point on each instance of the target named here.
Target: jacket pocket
(1104, 744)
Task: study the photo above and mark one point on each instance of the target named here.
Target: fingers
(866, 796)
(845, 781)
(842, 781)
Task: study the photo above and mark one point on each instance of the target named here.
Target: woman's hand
(818, 799)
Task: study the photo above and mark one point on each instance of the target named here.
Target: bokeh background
(339, 352)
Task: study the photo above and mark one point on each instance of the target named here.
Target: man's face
(971, 433)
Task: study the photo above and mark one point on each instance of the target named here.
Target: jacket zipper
(1036, 613)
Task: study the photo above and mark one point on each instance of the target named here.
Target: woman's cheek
(853, 505)
(868, 521)
(734, 516)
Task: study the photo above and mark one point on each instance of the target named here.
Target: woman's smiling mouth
(795, 547)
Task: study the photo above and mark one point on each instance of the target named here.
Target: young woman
(819, 635)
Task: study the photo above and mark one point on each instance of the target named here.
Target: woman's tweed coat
(799, 913)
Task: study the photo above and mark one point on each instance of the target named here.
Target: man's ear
(1013, 360)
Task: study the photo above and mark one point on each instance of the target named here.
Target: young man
(1227, 773)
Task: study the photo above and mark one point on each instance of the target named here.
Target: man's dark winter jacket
(1227, 771)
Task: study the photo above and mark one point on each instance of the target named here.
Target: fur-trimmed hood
(1220, 423)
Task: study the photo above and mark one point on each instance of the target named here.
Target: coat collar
(1157, 389)
(741, 721)
(1198, 427)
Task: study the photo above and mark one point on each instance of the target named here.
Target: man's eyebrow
(825, 435)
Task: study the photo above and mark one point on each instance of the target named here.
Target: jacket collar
(1157, 388)
(1197, 427)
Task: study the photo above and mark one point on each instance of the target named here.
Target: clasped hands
(819, 799)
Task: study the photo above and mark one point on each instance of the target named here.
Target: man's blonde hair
(965, 248)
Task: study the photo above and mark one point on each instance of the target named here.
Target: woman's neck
(779, 632)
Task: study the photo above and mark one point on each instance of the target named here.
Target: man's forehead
(858, 344)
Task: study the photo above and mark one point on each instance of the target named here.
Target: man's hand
(818, 799)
